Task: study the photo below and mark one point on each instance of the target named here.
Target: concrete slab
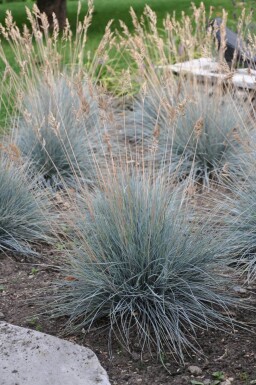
(198, 65)
(28, 357)
(207, 68)
(245, 78)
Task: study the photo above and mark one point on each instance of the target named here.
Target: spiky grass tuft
(188, 129)
(25, 218)
(142, 264)
(238, 212)
(58, 129)
(51, 77)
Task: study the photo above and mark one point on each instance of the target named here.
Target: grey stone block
(28, 357)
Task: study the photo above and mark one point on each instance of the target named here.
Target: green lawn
(116, 9)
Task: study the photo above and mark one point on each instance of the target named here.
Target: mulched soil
(233, 354)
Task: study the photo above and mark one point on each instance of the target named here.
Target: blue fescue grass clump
(23, 210)
(238, 212)
(142, 264)
(60, 120)
(190, 131)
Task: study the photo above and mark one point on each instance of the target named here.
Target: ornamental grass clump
(238, 212)
(210, 137)
(57, 113)
(25, 218)
(58, 130)
(141, 264)
(187, 129)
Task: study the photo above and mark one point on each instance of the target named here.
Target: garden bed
(233, 354)
(112, 195)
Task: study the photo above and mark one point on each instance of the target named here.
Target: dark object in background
(234, 43)
(59, 7)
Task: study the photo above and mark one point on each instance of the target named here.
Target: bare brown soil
(233, 354)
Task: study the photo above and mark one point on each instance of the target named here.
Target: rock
(195, 370)
(28, 357)
(206, 68)
(228, 381)
(207, 381)
(244, 79)
(2, 316)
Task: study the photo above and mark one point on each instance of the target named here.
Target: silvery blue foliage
(25, 215)
(58, 130)
(142, 263)
(189, 132)
(238, 213)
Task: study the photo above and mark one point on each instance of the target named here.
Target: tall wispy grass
(180, 125)
(25, 209)
(180, 39)
(186, 128)
(140, 263)
(59, 118)
(60, 130)
(37, 48)
(35, 54)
